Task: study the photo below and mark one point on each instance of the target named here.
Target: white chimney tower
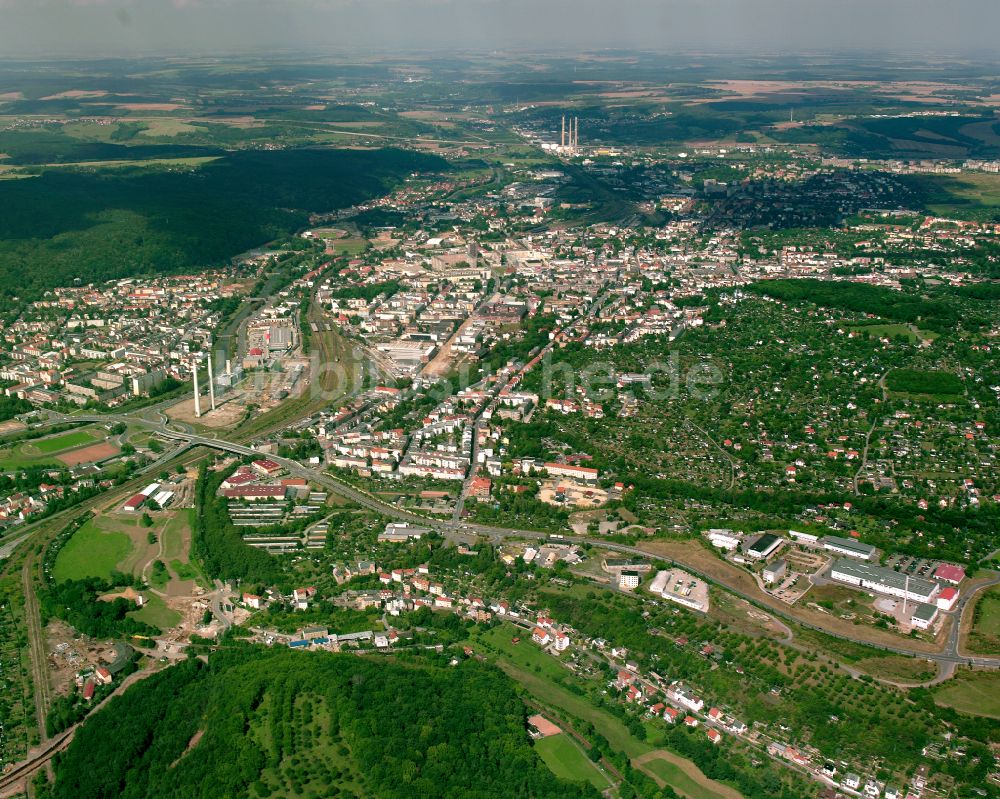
(197, 396)
(211, 383)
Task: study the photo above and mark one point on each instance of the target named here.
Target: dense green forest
(217, 542)
(254, 722)
(941, 314)
(95, 225)
(920, 381)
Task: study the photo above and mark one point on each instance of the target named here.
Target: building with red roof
(480, 487)
(949, 573)
(266, 466)
(134, 502)
(947, 598)
(254, 493)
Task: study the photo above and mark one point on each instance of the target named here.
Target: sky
(113, 27)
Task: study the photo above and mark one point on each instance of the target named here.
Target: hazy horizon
(47, 28)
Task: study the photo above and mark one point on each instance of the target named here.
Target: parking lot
(915, 567)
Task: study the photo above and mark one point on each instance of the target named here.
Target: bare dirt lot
(225, 415)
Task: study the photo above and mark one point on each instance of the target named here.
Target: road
(946, 660)
(153, 419)
(949, 655)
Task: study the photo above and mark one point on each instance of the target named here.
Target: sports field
(75, 438)
(75, 446)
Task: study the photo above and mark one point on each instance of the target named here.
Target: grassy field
(984, 637)
(976, 692)
(156, 612)
(897, 668)
(961, 195)
(93, 551)
(567, 761)
(676, 773)
(75, 438)
(173, 535)
(912, 334)
(13, 459)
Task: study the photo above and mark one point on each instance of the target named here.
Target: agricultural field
(567, 761)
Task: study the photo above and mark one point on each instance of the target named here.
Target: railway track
(36, 646)
(14, 781)
(42, 531)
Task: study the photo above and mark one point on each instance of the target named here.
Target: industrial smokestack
(197, 396)
(211, 383)
(562, 134)
(576, 132)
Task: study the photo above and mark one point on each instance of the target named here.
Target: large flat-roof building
(883, 581)
(765, 546)
(848, 547)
